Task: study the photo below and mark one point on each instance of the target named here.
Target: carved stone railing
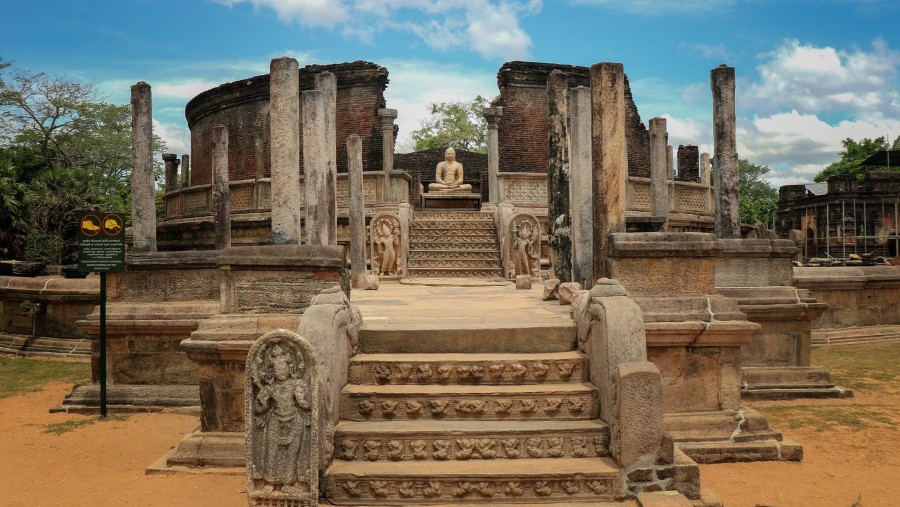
(523, 189)
(255, 195)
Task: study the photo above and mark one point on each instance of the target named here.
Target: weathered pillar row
(580, 198)
(609, 157)
(326, 82)
(319, 178)
(559, 235)
(670, 163)
(220, 192)
(284, 126)
(659, 186)
(143, 199)
(492, 115)
(387, 131)
(725, 157)
(357, 210)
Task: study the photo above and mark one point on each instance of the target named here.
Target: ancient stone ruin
(447, 385)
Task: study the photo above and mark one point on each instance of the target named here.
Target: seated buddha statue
(449, 175)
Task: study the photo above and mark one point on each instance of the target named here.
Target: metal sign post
(101, 249)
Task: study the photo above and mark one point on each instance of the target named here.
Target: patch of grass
(67, 426)
(20, 375)
(823, 417)
(870, 367)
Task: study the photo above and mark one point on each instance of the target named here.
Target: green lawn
(20, 375)
(870, 367)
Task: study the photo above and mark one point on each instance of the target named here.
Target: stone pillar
(357, 210)
(609, 157)
(284, 125)
(704, 168)
(492, 115)
(580, 202)
(319, 178)
(387, 132)
(670, 163)
(559, 235)
(659, 186)
(170, 162)
(725, 157)
(327, 84)
(185, 170)
(143, 198)
(221, 200)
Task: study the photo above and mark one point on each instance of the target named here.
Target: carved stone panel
(281, 414)
(386, 240)
(523, 240)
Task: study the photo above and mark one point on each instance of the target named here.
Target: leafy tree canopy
(454, 124)
(63, 151)
(759, 201)
(853, 155)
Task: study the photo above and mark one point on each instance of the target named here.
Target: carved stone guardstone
(524, 244)
(386, 240)
(281, 414)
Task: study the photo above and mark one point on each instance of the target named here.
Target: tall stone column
(357, 209)
(609, 157)
(185, 170)
(387, 133)
(559, 235)
(284, 126)
(492, 115)
(580, 202)
(170, 163)
(725, 157)
(221, 200)
(670, 162)
(659, 185)
(143, 199)
(326, 82)
(319, 178)
(704, 168)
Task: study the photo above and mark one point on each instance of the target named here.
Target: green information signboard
(101, 248)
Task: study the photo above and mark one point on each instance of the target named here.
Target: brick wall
(243, 107)
(523, 127)
(688, 163)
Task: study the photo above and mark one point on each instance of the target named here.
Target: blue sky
(810, 73)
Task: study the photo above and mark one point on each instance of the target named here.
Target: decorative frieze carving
(563, 370)
(452, 490)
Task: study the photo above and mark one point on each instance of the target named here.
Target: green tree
(853, 155)
(63, 151)
(759, 201)
(454, 124)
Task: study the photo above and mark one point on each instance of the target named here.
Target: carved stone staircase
(480, 420)
(453, 244)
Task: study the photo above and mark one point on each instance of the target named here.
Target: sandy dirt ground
(103, 463)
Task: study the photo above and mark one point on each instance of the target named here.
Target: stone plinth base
(210, 449)
(725, 436)
(791, 382)
(24, 345)
(85, 399)
(451, 200)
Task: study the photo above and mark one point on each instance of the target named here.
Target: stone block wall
(856, 296)
(688, 163)
(243, 108)
(523, 127)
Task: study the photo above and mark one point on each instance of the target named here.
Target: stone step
(454, 273)
(448, 262)
(467, 440)
(523, 481)
(445, 244)
(472, 216)
(452, 253)
(468, 368)
(468, 402)
(790, 377)
(453, 224)
(795, 393)
(457, 237)
(464, 336)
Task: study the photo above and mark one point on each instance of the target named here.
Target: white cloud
(812, 79)
(176, 137)
(710, 51)
(488, 27)
(184, 90)
(659, 8)
(310, 13)
(415, 84)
